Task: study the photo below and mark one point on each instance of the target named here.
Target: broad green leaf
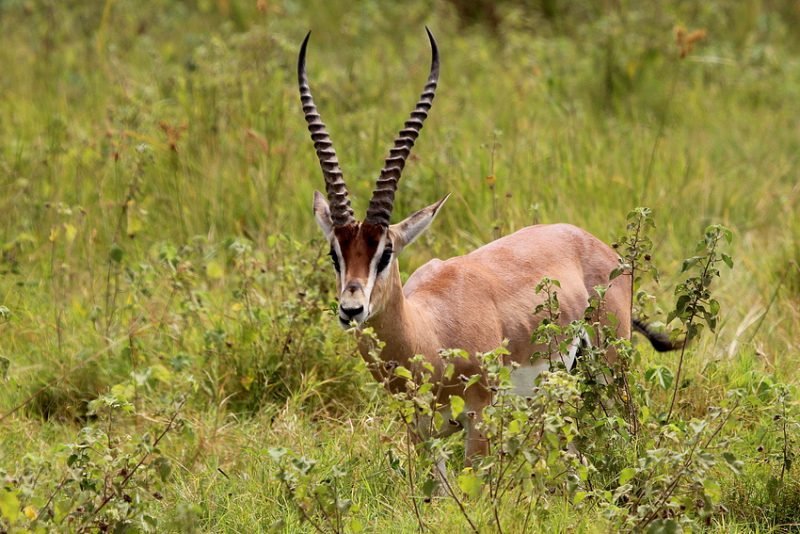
(474, 379)
(276, 453)
(402, 372)
(660, 375)
(429, 486)
(469, 483)
(456, 406)
(163, 467)
(734, 464)
(626, 475)
(728, 260)
(9, 505)
(449, 370)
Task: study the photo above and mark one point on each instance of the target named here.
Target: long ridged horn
(341, 212)
(382, 202)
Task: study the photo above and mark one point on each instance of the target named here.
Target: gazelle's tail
(660, 341)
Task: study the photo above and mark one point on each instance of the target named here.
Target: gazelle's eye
(386, 257)
(335, 260)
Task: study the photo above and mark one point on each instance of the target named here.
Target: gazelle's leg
(477, 445)
(476, 399)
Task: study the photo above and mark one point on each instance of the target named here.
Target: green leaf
(660, 375)
(626, 475)
(469, 483)
(474, 379)
(356, 525)
(276, 453)
(9, 505)
(456, 406)
(429, 486)
(728, 260)
(713, 490)
(163, 467)
(688, 263)
(116, 253)
(402, 372)
(734, 464)
(449, 370)
(727, 234)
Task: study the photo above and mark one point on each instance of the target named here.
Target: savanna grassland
(169, 358)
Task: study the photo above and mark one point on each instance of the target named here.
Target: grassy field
(168, 356)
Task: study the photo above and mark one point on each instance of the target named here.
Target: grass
(155, 188)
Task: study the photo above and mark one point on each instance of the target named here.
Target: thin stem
(410, 477)
(689, 323)
(659, 134)
(302, 510)
(785, 438)
(460, 504)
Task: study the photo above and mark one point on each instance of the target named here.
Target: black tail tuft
(660, 341)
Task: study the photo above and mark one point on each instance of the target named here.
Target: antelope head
(364, 253)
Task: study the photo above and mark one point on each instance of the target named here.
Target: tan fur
(475, 301)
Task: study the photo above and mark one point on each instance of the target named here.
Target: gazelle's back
(479, 300)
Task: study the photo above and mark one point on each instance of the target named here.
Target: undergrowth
(168, 357)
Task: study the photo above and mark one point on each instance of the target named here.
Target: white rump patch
(524, 378)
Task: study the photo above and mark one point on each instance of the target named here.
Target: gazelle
(472, 302)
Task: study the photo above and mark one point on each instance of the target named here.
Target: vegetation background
(165, 295)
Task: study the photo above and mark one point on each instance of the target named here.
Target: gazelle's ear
(323, 214)
(406, 231)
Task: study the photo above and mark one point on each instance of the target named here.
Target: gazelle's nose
(351, 312)
(353, 286)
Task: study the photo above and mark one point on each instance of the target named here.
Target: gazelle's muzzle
(353, 304)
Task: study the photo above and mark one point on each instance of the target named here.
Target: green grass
(156, 180)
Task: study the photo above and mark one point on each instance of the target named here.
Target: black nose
(351, 312)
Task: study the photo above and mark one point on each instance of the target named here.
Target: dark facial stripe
(358, 243)
(386, 257)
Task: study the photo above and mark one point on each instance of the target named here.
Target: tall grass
(156, 181)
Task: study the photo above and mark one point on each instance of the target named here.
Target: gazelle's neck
(400, 324)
